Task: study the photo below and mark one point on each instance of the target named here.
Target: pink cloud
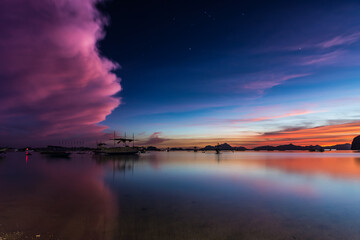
(154, 139)
(55, 84)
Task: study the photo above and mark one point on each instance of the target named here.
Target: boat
(117, 150)
(55, 151)
(122, 150)
(28, 152)
(217, 149)
(3, 150)
(316, 150)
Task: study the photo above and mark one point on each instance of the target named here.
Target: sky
(180, 73)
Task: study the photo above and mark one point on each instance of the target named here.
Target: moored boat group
(125, 149)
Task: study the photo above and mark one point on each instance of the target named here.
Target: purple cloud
(55, 84)
(321, 59)
(270, 80)
(340, 40)
(155, 139)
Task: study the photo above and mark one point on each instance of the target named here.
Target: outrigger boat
(124, 150)
(55, 151)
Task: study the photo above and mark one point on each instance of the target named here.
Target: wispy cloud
(264, 118)
(322, 59)
(319, 43)
(340, 40)
(267, 81)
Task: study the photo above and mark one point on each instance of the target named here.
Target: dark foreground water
(181, 195)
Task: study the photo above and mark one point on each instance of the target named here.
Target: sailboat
(217, 149)
(121, 150)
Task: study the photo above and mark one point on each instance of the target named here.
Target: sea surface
(181, 195)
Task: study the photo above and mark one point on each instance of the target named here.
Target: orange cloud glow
(323, 135)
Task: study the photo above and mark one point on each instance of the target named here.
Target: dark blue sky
(202, 69)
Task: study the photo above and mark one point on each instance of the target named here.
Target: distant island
(288, 147)
(228, 147)
(223, 146)
(345, 146)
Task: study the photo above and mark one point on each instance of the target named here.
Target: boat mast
(114, 138)
(133, 140)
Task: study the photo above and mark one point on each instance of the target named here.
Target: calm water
(182, 195)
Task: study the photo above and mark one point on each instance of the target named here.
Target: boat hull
(117, 151)
(56, 154)
(122, 153)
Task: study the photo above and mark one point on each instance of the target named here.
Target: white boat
(122, 150)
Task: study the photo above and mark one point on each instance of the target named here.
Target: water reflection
(335, 165)
(102, 159)
(119, 163)
(2, 157)
(357, 160)
(183, 195)
(61, 200)
(51, 158)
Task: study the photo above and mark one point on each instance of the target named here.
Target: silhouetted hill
(152, 148)
(265, 148)
(240, 148)
(290, 147)
(223, 146)
(293, 147)
(356, 143)
(346, 146)
(282, 147)
(176, 149)
(208, 148)
(286, 147)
